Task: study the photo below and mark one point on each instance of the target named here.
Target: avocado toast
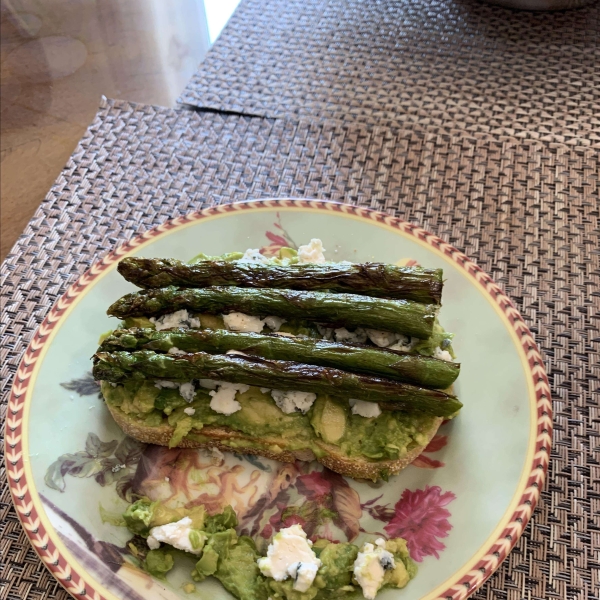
(343, 363)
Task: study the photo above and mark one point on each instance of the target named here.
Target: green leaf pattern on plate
(96, 461)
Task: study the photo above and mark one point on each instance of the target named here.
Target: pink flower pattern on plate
(421, 520)
(435, 445)
(278, 240)
(314, 485)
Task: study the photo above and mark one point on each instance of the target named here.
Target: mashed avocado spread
(233, 559)
(329, 422)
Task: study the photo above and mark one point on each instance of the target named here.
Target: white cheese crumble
(265, 390)
(303, 574)
(253, 255)
(189, 411)
(292, 401)
(209, 384)
(326, 332)
(177, 535)
(383, 339)
(290, 555)
(223, 398)
(369, 410)
(370, 566)
(442, 354)
(358, 336)
(404, 343)
(176, 351)
(311, 253)
(153, 543)
(274, 323)
(163, 383)
(179, 318)
(187, 391)
(237, 321)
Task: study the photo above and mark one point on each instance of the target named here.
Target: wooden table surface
(58, 58)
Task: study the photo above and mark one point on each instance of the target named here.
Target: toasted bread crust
(356, 468)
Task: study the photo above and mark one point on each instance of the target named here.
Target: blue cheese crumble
(180, 535)
(293, 401)
(180, 318)
(186, 390)
(290, 555)
(370, 566)
(223, 397)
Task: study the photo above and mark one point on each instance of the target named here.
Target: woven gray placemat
(438, 63)
(526, 212)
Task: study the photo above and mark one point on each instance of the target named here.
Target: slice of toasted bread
(229, 440)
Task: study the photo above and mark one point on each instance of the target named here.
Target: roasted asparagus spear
(371, 279)
(400, 366)
(349, 310)
(117, 367)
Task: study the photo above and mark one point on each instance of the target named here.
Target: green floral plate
(461, 505)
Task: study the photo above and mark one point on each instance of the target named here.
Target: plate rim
(69, 572)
